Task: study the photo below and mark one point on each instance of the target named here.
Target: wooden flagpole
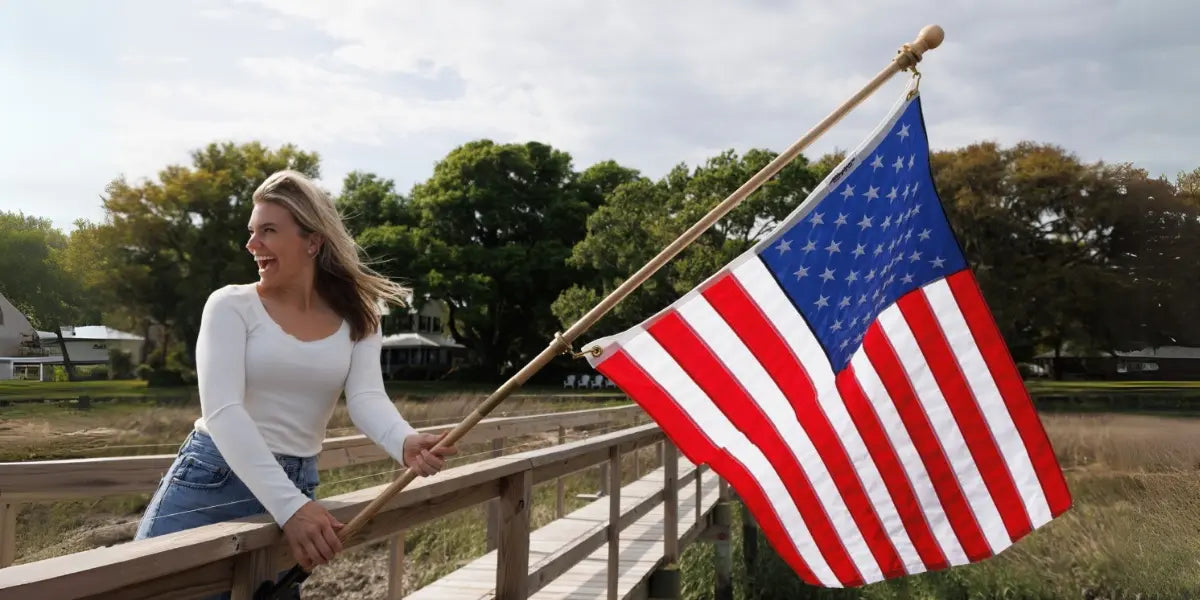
(909, 55)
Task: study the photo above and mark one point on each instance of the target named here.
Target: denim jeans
(200, 489)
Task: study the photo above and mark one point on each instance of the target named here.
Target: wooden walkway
(641, 545)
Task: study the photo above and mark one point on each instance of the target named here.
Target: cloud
(393, 86)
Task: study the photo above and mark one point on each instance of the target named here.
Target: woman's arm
(370, 408)
(221, 371)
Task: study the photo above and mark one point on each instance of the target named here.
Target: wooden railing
(236, 555)
(56, 480)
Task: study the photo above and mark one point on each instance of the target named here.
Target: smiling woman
(272, 358)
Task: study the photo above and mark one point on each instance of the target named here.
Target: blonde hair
(343, 279)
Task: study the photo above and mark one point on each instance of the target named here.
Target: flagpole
(930, 37)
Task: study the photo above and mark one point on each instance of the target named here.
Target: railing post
(493, 505)
(8, 533)
(614, 520)
(671, 504)
(396, 567)
(699, 494)
(249, 571)
(512, 556)
(560, 491)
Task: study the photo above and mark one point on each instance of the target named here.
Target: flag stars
(864, 223)
(908, 234)
(887, 222)
(828, 274)
(899, 164)
(892, 194)
(833, 247)
(911, 160)
(784, 246)
(878, 250)
(817, 219)
(844, 344)
(938, 262)
(854, 323)
(801, 273)
(903, 133)
(878, 162)
(914, 257)
(905, 194)
(810, 246)
(852, 277)
(837, 325)
(841, 220)
(924, 234)
(845, 302)
(870, 275)
(862, 299)
(859, 250)
(847, 191)
(908, 278)
(872, 192)
(822, 302)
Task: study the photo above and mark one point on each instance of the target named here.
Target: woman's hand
(420, 455)
(312, 534)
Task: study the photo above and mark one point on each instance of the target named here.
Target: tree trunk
(67, 364)
(1058, 375)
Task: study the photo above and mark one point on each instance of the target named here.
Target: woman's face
(280, 247)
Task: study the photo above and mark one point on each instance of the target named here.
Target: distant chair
(608, 383)
(598, 382)
(584, 380)
(569, 382)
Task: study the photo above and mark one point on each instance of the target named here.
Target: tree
(640, 217)
(495, 225)
(173, 241)
(368, 200)
(36, 280)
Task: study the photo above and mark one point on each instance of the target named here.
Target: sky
(92, 91)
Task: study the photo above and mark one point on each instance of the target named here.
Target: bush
(120, 364)
(60, 374)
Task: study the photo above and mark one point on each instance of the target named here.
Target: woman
(272, 358)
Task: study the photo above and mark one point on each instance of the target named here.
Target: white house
(26, 352)
(420, 347)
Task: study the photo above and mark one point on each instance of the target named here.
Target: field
(1133, 532)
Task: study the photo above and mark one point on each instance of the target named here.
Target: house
(26, 353)
(417, 344)
(1172, 363)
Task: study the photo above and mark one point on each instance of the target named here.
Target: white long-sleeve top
(265, 392)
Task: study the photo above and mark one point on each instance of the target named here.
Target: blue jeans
(201, 489)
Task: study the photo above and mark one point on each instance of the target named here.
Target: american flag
(847, 378)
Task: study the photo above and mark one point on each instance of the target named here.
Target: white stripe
(910, 459)
(746, 369)
(779, 310)
(647, 352)
(987, 396)
(897, 330)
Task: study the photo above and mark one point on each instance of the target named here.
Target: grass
(1133, 531)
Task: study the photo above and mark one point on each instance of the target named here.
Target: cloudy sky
(93, 90)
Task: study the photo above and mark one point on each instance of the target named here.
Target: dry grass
(1132, 532)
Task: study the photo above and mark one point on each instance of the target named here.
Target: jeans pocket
(196, 473)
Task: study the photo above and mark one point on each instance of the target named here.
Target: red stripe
(698, 361)
(747, 320)
(995, 353)
(898, 485)
(699, 449)
(912, 414)
(965, 408)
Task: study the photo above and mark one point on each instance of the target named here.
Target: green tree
(640, 217)
(494, 226)
(171, 242)
(368, 200)
(33, 257)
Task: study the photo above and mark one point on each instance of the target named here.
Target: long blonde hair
(343, 279)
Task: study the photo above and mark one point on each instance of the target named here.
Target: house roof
(90, 332)
(419, 340)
